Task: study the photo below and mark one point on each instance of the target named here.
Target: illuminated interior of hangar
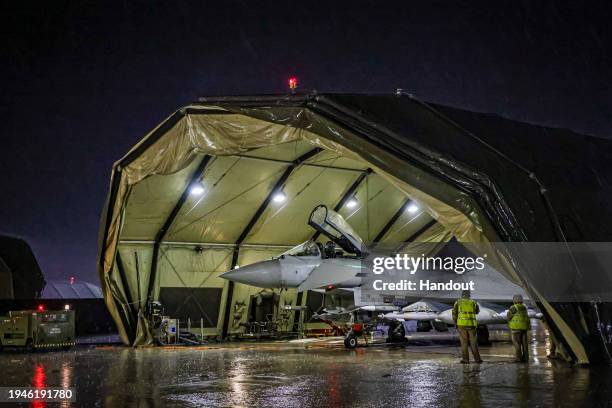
(258, 201)
(246, 204)
(224, 183)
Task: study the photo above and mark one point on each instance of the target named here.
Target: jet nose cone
(265, 274)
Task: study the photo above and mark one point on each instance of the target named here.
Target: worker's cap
(465, 294)
(517, 299)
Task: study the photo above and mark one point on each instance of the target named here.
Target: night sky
(81, 84)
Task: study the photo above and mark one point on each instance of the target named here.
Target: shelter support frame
(246, 231)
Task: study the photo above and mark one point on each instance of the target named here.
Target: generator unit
(37, 329)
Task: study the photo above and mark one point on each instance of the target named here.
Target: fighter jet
(311, 264)
(485, 317)
(435, 313)
(339, 264)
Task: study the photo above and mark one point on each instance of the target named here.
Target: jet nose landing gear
(358, 330)
(350, 341)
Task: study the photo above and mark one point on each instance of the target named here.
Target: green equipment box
(37, 329)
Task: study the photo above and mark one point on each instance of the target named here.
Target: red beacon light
(41, 308)
(293, 83)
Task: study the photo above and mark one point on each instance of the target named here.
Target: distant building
(71, 289)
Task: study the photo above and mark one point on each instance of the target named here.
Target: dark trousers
(467, 336)
(521, 349)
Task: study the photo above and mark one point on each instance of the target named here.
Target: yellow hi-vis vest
(520, 319)
(466, 313)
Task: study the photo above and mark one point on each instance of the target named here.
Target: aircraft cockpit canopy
(314, 248)
(308, 248)
(335, 227)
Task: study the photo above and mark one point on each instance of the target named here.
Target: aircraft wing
(532, 314)
(425, 305)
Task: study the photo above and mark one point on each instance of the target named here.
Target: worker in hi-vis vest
(518, 321)
(464, 315)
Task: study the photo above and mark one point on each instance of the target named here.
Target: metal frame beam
(297, 314)
(132, 317)
(125, 284)
(420, 231)
(323, 166)
(245, 232)
(416, 234)
(168, 223)
(207, 244)
(392, 221)
(350, 192)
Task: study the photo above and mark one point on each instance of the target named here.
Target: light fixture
(41, 308)
(352, 203)
(412, 208)
(279, 197)
(66, 307)
(196, 189)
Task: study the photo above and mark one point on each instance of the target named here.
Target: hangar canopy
(229, 181)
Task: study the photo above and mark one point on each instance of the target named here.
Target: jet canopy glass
(332, 225)
(308, 248)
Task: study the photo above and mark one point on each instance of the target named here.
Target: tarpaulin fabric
(482, 178)
(202, 131)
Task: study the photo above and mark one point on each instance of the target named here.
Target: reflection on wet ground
(320, 373)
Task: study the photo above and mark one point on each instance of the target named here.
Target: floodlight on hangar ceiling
(352, 202)
(279, 197)
(412, 208)
(196, 190)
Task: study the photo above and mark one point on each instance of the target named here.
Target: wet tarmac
(313, 373)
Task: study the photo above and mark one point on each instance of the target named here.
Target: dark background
(82, 82)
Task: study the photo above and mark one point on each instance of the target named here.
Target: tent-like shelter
(195, 198)
(20, 274)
